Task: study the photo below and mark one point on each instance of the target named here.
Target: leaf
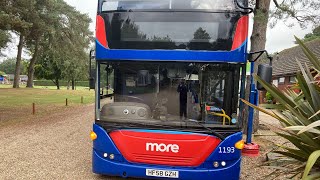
(273, 106)
(310, 127)
(275, 92)
(300, 128)
(297, 141)
(313, 176)
(311, 161)
(292, 155)
(314, 94)
(266, 112)
(314, 115)
(304, 87)
(312, 57)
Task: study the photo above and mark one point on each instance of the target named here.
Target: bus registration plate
(162, 173)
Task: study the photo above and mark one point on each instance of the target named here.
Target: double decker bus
(168, 78)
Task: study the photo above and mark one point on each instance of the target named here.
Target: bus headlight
(93, 136)
(111, 156)
(223, 163)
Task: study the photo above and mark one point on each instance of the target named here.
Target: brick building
(285, 65)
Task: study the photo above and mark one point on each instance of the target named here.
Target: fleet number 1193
(226, 150)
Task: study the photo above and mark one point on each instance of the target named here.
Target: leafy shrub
(269, 97)
(62, 83)
(299, 116)
(2, 73)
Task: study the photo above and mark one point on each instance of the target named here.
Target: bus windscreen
(153, 93)
(114, 5)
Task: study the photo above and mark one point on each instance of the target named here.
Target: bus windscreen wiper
(211, 131)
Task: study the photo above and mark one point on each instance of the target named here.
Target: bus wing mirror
(265, 73)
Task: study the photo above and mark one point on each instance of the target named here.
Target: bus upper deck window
(112, 5)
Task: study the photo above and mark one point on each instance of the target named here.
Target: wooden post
(33, 108)
(66, 101)
(81, 99)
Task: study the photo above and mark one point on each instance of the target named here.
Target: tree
(303, 12)
(48, 13)
(201, 40)
(4, 38)
(8, 66)
(79, 40)
(64, 49)
(40, 24)
(16, 16)
(201, 34)
(314, 35)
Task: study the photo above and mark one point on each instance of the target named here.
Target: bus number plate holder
(162, 173)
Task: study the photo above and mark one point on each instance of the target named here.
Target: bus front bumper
(105, 166)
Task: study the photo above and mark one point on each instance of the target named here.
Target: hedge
(62, 83)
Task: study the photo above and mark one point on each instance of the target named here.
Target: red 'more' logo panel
(164, 148)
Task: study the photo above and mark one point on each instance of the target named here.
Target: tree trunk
(32, 64)
(258, 42)
(68, 87)
(16, 80)
(58, 84)
(245, 111)
(73, 84)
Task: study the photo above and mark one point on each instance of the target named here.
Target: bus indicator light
(93, 136)
(239, 145)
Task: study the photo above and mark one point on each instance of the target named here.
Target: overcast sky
(278, 38)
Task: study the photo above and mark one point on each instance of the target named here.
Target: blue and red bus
(168, 78)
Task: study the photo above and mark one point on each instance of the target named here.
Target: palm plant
(299, 116)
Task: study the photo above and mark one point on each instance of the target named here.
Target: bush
(299, 115)
(62, 83)
(269, 97)
(2, 73)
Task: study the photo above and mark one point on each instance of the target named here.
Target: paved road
(57, 146)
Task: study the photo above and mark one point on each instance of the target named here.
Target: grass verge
(17, 103)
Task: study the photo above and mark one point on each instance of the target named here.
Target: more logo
(162, 147)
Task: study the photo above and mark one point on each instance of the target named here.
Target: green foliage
(8, 66)
(2, 73)
(201, 34)
(51, 30)
(299, 115)
(303, 12)
(269, 97)
(4, 38)
(64, 50)
(314, 35)
(62, 83)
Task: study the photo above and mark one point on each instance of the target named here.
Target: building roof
(285, 62)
